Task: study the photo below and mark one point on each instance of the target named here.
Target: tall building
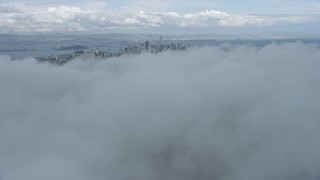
(147, 45)
(97, 51)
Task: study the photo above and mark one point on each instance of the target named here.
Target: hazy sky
(203, 16)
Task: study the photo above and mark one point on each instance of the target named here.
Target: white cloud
(66, 18)
(61, 14)
(211, 18)
(141, 18)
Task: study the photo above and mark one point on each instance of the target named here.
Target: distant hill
(75, 47)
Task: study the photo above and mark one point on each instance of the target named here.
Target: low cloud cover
(225, 113)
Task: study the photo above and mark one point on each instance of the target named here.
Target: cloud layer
(212, 113)
(48, 18)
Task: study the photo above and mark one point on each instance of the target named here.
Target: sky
(164, 16)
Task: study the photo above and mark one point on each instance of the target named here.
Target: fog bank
(220, 113)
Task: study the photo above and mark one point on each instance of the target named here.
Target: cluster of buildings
(129, 49)
(154, 48)
(58, 59)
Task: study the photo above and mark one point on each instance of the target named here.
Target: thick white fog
(214, 113)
